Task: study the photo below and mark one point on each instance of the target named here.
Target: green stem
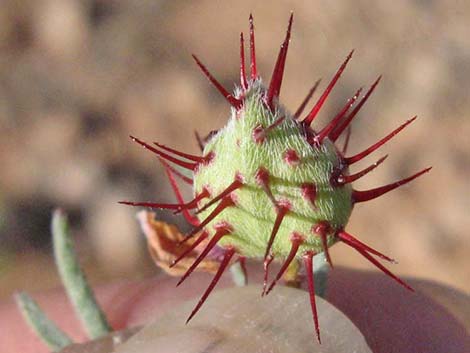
(320, 271)
(77, 288)
(40, 323)
(238, 275)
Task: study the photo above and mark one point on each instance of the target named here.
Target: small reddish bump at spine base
(322, 229)
(259, 133)
(262, 178)
(283, 207)
(209, 157)
(309, 192)
(291, 157)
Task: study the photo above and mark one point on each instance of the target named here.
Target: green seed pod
(280, 178)
(270, 186)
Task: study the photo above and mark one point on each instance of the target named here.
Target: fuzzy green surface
(253, 216)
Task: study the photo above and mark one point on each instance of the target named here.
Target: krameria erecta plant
(269, 185)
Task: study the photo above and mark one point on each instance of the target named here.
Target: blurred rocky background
(78, 76)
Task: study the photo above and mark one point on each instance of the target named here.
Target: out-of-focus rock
(102, 345)
(239, 320)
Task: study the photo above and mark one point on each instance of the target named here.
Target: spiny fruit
(267, 184)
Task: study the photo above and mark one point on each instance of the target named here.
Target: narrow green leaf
(79, 292)
(55, 338)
